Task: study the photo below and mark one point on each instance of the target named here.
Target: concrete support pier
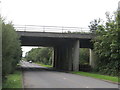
(93, 58)
(67, 57)
(76, 56)
(53, 58)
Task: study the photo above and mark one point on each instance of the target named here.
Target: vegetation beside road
(98, 76)
(11, 49)
(13, 80)
(40, 55)
(43, 64)
(107, 44)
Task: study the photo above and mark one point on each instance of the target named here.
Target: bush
(11, 49)
(85, 68)
(84, 56)
(107, 46)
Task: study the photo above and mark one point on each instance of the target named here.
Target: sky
(69, 13)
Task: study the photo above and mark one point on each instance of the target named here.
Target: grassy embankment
(42, 64)
(98, 76)
(90, 74)
(13, 80)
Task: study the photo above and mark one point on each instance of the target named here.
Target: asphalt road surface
(44, 78)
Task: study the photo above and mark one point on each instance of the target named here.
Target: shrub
(11, 49)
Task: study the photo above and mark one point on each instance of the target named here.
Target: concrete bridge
(66, 46)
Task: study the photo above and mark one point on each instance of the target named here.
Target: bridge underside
(66, 50)
(53, 42)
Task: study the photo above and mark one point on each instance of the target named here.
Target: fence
(60, 29)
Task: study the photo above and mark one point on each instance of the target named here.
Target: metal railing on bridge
(57, 29)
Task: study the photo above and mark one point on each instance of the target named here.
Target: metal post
(62, 29)
(25, 28)
(43, 28)
(0, 53)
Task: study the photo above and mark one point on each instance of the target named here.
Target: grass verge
(98, 76)
(42, 64)
(13, 80)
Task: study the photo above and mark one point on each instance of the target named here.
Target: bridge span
(66, 46)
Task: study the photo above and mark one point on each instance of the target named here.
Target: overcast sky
(70, 13)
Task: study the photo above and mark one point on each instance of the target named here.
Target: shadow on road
(36, 69)
(41, 69)
(26, 66)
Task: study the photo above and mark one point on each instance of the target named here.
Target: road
(44, 78)
(25, 64)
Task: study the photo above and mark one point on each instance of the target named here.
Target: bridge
(66, 46)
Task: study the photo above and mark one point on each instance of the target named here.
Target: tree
(107, 46)
(42, 55)
(32, 55)
(84, 56)
(94, 25)
(11, 49)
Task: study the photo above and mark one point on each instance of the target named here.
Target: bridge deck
(56, 35)
(54, 39)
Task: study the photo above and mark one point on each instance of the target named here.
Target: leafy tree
(42, 55)
(84, 56)
(94, 25)
(32, 55)
(107, 46)
(11, 49)
(45, 55)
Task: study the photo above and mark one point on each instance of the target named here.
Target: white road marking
(64, 78)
